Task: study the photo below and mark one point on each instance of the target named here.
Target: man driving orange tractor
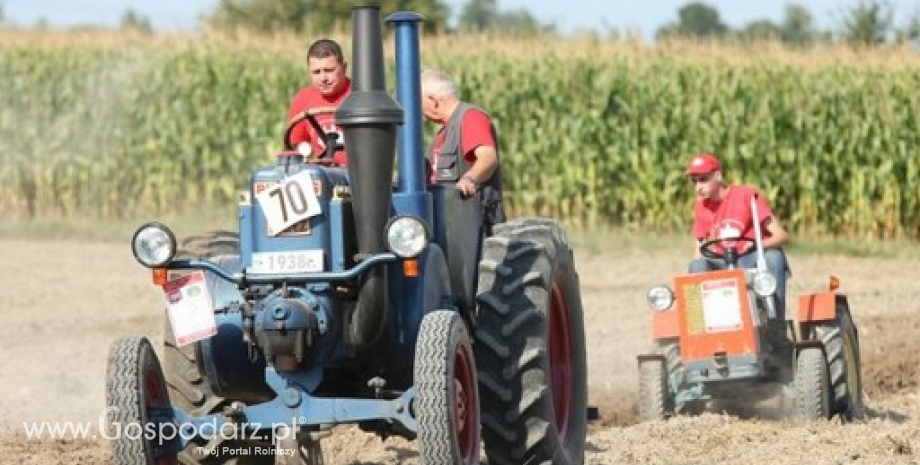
(724, 212)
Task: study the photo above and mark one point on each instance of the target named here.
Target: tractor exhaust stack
(368, 118)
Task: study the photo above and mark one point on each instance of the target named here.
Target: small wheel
(654, 396)
(136, 392)
(447, 401)
(812, 387)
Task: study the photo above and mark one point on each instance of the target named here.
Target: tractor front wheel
(654, 397)
(530, 347)
(136, 395)
(447, 402)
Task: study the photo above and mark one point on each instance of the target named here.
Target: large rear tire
(530, 347)
(188, 388)
(210, 244)
(447, 402)
(841, 345)
(136, 389)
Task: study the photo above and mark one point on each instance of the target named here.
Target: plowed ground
(64, 303)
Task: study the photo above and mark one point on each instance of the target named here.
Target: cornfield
(114, 126)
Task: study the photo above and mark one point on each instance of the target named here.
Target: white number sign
(288, 202)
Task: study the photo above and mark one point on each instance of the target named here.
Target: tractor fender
(818, 306)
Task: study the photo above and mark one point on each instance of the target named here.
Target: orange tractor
(719, 341)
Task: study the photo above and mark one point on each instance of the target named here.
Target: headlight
(407, 236)
(764, 284)
(154, 245)
(660, 298)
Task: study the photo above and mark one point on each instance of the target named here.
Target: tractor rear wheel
(530, 347)
(210, 244)
(812, 390)
(447, 402)
(188, 388)
(841, 344)
(136, 389)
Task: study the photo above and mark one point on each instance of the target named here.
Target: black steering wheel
(729, 252)
(330, 141)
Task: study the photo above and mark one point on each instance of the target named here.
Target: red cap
(703, 163)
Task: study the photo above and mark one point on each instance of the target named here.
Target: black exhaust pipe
(368, 118)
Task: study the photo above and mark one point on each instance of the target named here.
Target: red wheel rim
(560, 360)
(153, 388)
(466, 407)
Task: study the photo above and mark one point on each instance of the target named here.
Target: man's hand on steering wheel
(331, 144)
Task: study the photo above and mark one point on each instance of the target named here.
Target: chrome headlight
(154, 245)
(660, 298)
(407, 236)
(764, 284)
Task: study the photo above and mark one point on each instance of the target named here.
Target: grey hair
(438, 83)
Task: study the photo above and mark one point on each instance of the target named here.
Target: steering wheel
(330, 141)
(707, 248)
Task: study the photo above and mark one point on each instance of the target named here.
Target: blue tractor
(349, 296)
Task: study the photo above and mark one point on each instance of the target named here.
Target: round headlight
(660, 298)
(407, 236)
(764, 284)
(154, 245)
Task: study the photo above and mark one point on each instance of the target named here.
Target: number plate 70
(288, 202)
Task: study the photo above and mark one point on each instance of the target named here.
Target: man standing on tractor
(328, 88)
(723, 211)
(465, 149)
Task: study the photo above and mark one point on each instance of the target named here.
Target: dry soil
(64, 303)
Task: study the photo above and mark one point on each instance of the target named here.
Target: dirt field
(64, 303)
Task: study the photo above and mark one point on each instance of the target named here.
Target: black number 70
(291, 195)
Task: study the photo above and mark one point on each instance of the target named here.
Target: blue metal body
(279, 348)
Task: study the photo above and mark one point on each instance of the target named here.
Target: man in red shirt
(328, 88)
(465, 149)
(723, 211)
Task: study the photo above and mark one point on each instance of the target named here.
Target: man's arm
(478, 146)
(778, 235)
(486, 164)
